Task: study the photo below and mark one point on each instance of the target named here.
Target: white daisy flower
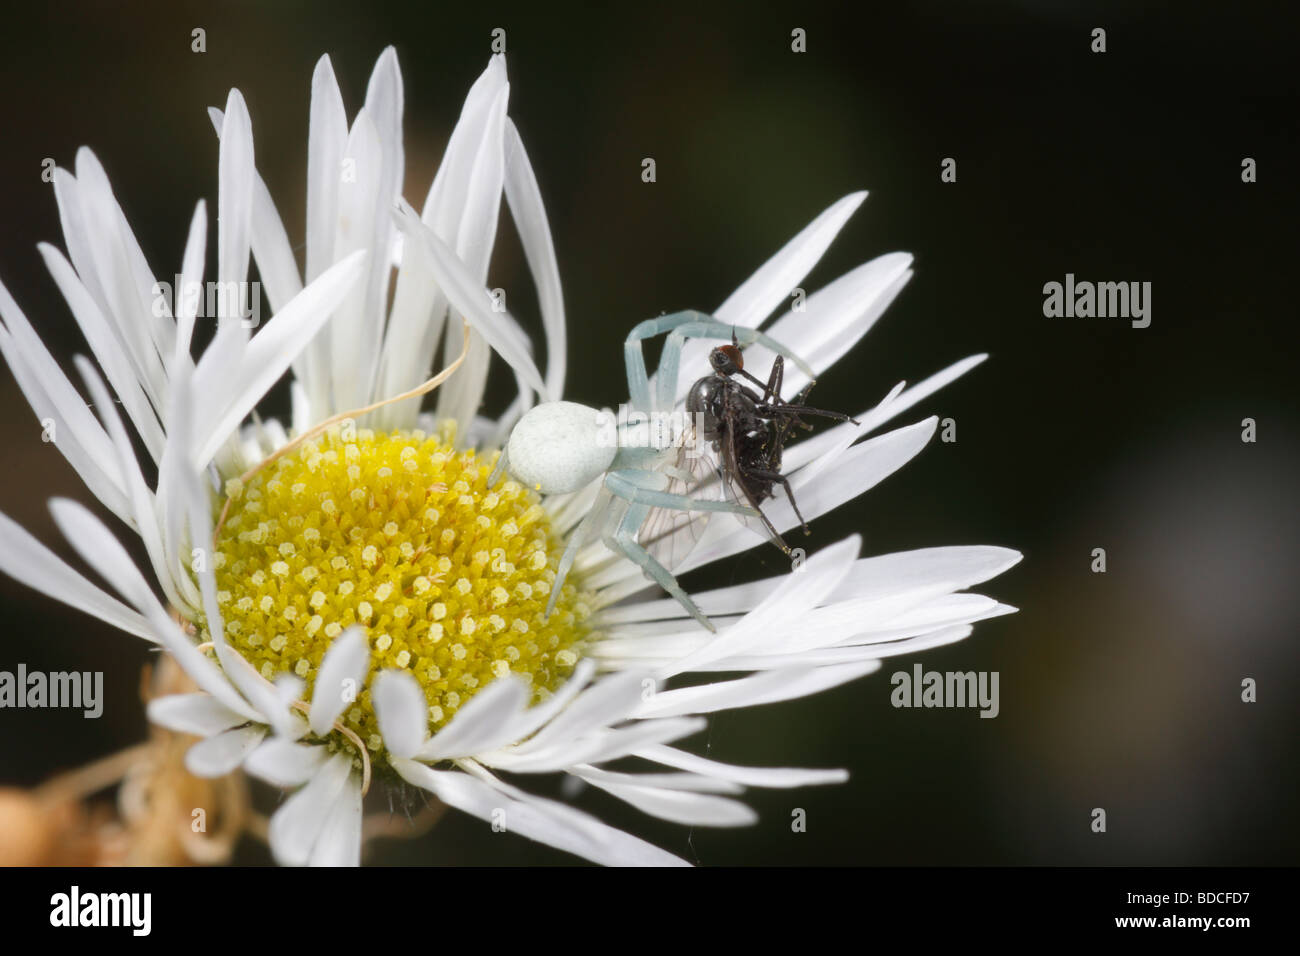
(356, 603)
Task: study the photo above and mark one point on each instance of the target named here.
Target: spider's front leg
(638, 488)
(683, 325)
(579, 536)
(634, 486)
(623, 540)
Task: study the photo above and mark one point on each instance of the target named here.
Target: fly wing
(670, 534)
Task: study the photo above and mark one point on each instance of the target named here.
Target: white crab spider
(560, 447)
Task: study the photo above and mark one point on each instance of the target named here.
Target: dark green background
(1119, 690)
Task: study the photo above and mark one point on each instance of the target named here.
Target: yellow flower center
(400, 533)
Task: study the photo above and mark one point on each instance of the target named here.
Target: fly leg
(743, 477)
(772, 390)
(777, 478)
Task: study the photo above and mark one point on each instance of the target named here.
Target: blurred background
(1119, 690)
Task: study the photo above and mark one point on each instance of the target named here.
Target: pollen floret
(397, 532)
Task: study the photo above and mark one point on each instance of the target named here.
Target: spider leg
(683, 325)
(498, 469)
(577, 539)
(638, 383)
(710, 329)
(670, 361)
(625, 486)
(623, 540)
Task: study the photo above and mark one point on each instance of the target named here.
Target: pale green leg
(623, 539)
(577, 538)
(684, 325)
(621, 484)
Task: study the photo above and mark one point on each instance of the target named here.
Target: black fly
(748, 430)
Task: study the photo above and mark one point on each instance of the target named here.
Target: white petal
(237, 171)
(267, 356)
(484, 723)
(525, 724)
(25, 559)
(773, 283)
(541, 820)
(106, 345)
(38, 390)
(290, 688)
(692, 809)
(196, 245)
(460, 400)
(143, 502)
(276, 267)
(339, 843)
(777, 278)
(789, 601)
(105, 553)
(297, 825)
(76, 231)
(822, 657)
(353, 338)
(126, 289)
(326, 142)
(876, 590)
(419, 308)
(828, 443)
(415, 325)
(268, 239)
(595, 747)
(286, 763)
(926, 569)
(776, 777)
(470, 299)
(402, 711)
(836, 318)
(340, 678)
(29, 351)
(694, 782)
(944, 611)
(260, 692)
(621, 741)
(199, 714)
(217, 756)
(609, 700)
(857, 470)
(525, 199)
(750, 691)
